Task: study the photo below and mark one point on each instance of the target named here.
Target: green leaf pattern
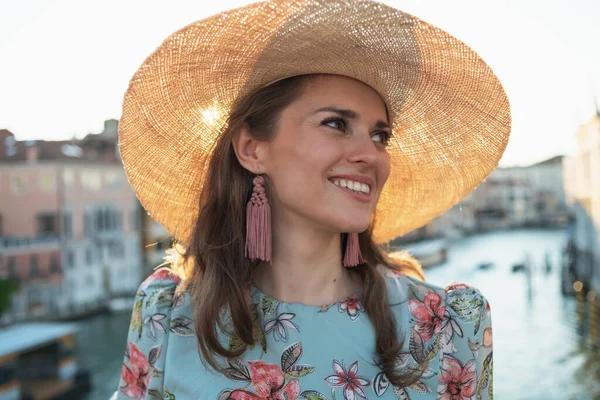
(268, 305)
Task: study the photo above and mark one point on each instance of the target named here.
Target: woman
(280, 143)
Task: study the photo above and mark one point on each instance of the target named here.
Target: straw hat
(450, 114)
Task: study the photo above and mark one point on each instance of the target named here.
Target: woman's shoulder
(161, 290)
(160, 310)
(161, 278)
(403, 287)
(451, 324)
(160, 306)
(453, 321)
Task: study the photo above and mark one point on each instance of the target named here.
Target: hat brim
(451, 116)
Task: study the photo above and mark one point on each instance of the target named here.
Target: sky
(65, 64)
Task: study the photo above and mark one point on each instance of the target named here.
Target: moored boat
(429, 253)
(38, 362)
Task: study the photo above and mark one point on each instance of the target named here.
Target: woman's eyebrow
(381, 125)
(350, 114)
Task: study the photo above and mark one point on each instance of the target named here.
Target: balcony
(18, 242)
(107, 235)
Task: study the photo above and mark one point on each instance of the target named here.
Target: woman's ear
(247, 150)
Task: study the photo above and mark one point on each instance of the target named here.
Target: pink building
(69, 224)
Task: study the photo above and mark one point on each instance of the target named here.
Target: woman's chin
(346, 222)
(353, 227)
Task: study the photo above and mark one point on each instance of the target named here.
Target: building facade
(583, 183)
(514, 197)
(70, 224)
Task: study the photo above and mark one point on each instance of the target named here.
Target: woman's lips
(362, 197)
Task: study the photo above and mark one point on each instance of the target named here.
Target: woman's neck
(306, 267)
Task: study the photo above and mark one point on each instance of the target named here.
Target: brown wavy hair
(214, 267)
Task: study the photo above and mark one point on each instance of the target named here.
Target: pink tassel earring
(353, 256)
(258, 223)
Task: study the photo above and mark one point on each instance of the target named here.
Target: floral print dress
(313, 353)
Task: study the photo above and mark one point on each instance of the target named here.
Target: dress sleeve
(466, 360)
(143, 366)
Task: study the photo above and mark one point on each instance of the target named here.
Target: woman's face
(327, 162)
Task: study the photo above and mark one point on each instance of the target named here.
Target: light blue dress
(313, 353)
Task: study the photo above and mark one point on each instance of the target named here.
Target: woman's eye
(381, 137)
(338, 124)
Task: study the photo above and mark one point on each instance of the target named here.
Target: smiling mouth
(354, 186)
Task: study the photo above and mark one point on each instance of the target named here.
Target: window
(109, 220)
(88, 225)
(113, 220)
(54, 264)
(18, 183)
(70, 259)
(89, 256)
(68, 225)
(91, 181)
(116, 223)
(34, 268)
(46, 224)
(47, 183)
(99, 220)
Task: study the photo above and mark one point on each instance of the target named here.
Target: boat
(429, 253)
(484, 266)
(518, 267)
(38, 362)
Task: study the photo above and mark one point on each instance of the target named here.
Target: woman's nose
(363, 150)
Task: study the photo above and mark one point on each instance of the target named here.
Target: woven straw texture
(450, 114)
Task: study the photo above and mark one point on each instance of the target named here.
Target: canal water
(536, 348)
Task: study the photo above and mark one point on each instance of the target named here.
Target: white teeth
(352, 185)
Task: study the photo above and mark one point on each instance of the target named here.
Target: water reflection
(537, 355)
(101, 346)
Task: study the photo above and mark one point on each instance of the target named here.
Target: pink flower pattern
(456, 382)
(429, 313)
(268, 383)
(137, 375)
(349, 381)
(351, 306)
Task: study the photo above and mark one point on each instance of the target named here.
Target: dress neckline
(261, 298)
